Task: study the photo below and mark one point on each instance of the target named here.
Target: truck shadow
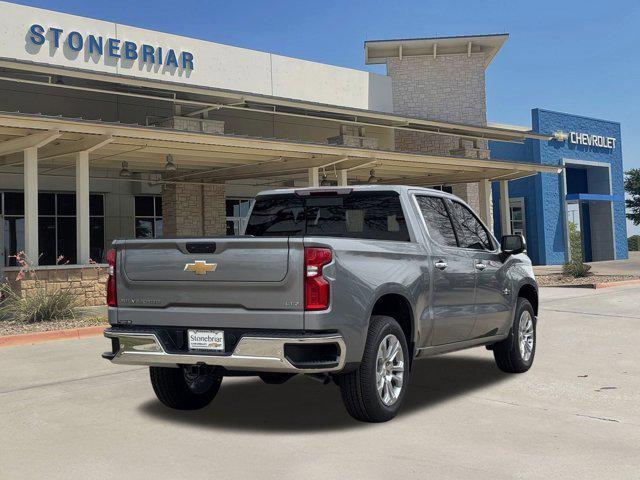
(303, 405)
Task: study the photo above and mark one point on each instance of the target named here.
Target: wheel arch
(396, 304)
(530, 292)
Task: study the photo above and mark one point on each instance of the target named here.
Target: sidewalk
(611, 267)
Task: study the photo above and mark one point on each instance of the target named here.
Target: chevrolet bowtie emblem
(200, 267)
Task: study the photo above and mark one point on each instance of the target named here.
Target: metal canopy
(220, 158)
(197, 100)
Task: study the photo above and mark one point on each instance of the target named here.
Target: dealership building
(111, 131)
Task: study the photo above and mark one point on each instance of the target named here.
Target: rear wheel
(184, 388)
(515, 354)
(375, 391)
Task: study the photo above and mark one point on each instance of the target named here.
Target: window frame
(242, 221)
(154, 218)
(55, 215)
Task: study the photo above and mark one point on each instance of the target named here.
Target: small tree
(575, 242)
(632, 187)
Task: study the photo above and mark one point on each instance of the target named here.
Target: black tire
(275, 378)
(359, 387)
(508, 353)
(178, 389)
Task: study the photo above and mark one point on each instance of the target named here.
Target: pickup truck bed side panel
(360, 273)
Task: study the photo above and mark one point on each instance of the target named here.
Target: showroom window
(56, 227)
(237, 214)
(148, 216)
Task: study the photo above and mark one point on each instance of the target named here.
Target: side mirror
(513, 244)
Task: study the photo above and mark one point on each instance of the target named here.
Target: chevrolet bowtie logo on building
(200, 267)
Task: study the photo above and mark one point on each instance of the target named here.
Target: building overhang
(219, 158)
(197, 100)
(593, 197)
(378, 51)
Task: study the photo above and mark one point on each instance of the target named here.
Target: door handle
(480, 266)
(441, 264)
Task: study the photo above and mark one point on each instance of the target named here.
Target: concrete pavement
(66, 413)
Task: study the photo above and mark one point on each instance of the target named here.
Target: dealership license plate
(207, 340)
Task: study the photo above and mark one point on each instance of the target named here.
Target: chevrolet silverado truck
(350, 284)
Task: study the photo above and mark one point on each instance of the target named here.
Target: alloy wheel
(525, 335)
(389, 369)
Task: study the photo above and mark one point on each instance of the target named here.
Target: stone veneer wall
(449, 88)
(87, 283)
(193, 210)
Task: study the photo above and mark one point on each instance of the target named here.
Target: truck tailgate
(242, 282)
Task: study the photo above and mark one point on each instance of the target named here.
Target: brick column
(449, 88)
(214, 210)
(193, 210)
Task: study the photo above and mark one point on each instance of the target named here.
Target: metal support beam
(35, 140)
(505, 208)
(485, 203)
(31, 247)
(68, 148)
(343, 180)
(82, 208)
(314, 180)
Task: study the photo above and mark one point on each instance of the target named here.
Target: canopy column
(485, 203)
(31, 248)
(82, 208)
(343, 178)
(314, 180)
(505, 208)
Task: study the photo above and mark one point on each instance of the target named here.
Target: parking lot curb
(52, 335)
(615, 284)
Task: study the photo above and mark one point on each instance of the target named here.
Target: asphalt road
(66, 413)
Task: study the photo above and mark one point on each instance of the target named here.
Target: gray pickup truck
(350, 284)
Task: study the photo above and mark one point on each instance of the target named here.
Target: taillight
(316, 287)
(112, 297)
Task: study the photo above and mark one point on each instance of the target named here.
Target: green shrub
(634, 243)
(39, 305)
(576, 269)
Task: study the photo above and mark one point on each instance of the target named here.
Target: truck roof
(356, 188)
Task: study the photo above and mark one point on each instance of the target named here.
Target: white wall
(215, 65)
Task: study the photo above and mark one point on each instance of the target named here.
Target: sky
(572, 56)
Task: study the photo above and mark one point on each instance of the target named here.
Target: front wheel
(184, 388)
(375, 391)
(515, 354)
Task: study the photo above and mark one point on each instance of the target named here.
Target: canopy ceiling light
(124, 171)
(170, 166)
(325, 182)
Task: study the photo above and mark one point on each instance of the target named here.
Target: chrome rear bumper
(252, 353)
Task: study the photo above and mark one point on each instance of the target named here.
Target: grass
(39, 305)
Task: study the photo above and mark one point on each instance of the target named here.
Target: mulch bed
(14, 328)
(563, 281)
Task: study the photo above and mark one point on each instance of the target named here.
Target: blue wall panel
(544, 193)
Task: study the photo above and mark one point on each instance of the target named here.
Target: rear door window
(471, 233)
(437, 219)
(372, 215)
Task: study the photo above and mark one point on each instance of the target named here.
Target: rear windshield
(373, 215)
